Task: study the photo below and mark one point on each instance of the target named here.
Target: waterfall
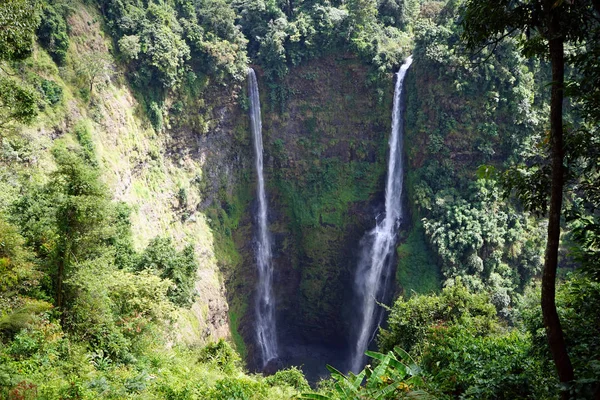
(378, 245)
(266, 336)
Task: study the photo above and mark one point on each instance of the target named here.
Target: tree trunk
(554, 330)
(63, 262)
(59, 282)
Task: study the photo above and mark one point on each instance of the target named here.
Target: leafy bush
(221, 355)
(18, 102)
(483, 241)
(395, 376)
(410, 321)
(83, 132)
(19, 20)
(464, 349)
(53, 34)
(162, 259)
(52, 91)
(291, 377)
(236, 389)
(155, 114)
(577, 301)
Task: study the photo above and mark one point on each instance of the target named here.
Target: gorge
(177, 225)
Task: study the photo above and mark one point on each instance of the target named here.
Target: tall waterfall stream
(266, 334)
(370, 283)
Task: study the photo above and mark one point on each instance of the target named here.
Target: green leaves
(410, 321)
(53, 35)
(162, 259)
(18, 102)
(395, 376)
(18, 21)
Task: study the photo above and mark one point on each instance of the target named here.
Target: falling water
(265, 302)
(378, 245)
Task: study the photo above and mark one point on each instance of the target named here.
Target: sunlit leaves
(18, 22)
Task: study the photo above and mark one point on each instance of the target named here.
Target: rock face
(325, 166)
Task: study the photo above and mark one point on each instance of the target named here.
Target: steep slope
(170, 179)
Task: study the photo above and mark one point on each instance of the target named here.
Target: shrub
(156, 116)
(52, 91)
(53, 35)
(221, 355)
(162, 259)
(289, 377)
(236, 389)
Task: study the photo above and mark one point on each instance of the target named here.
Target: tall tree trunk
(552, 324)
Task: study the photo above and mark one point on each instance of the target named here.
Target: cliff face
(325, 169)
(172, 179)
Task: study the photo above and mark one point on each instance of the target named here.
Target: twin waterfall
(377, 247)
(266, 334)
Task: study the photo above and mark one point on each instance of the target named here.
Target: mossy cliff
(325, 169)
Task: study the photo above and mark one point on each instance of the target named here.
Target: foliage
(18, 281)
(53, 92)
(18, 102)
(94, 68)
(577, 301)
(417, 271)
(464, 349)
(482, 241)
(221, 355)
(289, 377)
(162, 259)
(478, 118)
(544, 28)
(396, 376)
(18, 21)
(500, 366)
(80, 203)
(410, 321)
(109, 337)
(53, 34)
(164, 42)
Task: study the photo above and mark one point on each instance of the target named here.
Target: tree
(53, 34)
(162, 259)
(82, 211)
(18, 22)
(95, 68)
(544, 28)
(18, 103)
(130, 46)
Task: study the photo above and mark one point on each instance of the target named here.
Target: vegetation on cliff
(105, 208)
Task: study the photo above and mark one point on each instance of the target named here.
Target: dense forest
(128, 197)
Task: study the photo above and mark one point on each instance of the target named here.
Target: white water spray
(266, 336)
(379, 243)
